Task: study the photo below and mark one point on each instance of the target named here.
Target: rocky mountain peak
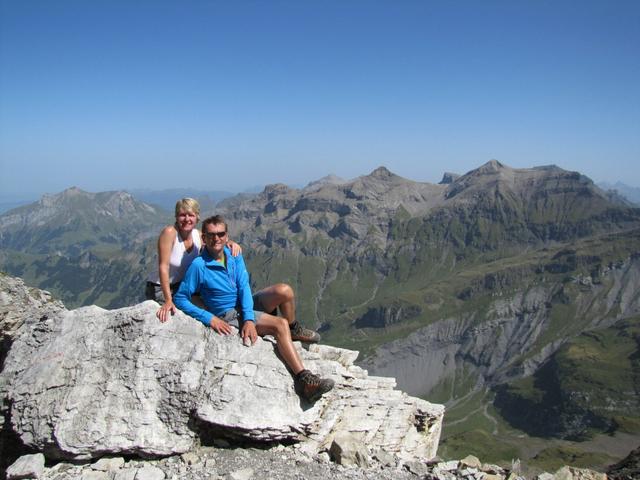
(380, 180)
(330, 179)
(490, 171)
(70, 194)
(550, 168)
(492, 166)
(382, 173)
(121, 204)
(71, 217)
(76, 202)
(275, 190)
(521, 182)
(448, 178)
(479, 179)
(104, 201)
(73, 192)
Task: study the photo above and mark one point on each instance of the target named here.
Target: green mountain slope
(592, 383)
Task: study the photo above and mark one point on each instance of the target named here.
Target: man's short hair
(189, 205)
(214, 220)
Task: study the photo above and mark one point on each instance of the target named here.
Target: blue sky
(228, 95)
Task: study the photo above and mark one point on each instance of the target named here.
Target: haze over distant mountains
(166, 198)
(480, 291)
(630, 193)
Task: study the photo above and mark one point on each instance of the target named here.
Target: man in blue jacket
(223, 284)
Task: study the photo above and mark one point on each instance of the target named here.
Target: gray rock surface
(150, 473)
(349, 449)
(19, 302)
(108, 464)
(91, 382)
(571, 473)
(27, 466)
(276, 463)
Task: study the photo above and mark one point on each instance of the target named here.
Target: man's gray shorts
(234, 318)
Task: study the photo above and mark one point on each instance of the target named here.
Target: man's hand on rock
(249, 333)
(220, 326)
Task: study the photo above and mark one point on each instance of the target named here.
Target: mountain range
(85, 247)
(630, 193)
(497, 292)
(166, 199)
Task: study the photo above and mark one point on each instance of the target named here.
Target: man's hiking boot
(298, 332)
(310, 386)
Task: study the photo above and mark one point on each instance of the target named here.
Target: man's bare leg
(308, 385)
(280, 296)
(279, 328)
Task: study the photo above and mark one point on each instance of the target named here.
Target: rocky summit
(90, 382)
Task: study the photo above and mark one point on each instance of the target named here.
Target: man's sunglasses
(214, 234)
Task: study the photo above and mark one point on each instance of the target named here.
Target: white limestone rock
(125, 474)
(242, 474)
(348, 449)
(108, 464)
(471, 461)
(18, 303)
(90, 382)
(94, 475)
(572, 473)
(150, 473)
(27, 466)
(545, 476)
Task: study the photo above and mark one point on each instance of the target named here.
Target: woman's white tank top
(180, 259)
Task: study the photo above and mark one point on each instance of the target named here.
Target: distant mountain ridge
(111, 216)
(630, 193)
(351, 209)
(167, 198)
(83, 246)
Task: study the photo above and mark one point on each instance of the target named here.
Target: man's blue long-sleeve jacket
(220, 288)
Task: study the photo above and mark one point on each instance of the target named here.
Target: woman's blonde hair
(189, 205)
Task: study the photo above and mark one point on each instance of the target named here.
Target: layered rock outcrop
(92, 382)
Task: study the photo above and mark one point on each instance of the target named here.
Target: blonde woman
(178, 245)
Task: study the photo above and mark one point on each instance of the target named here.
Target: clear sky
(109, 94)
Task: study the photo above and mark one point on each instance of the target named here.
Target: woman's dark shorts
(153, 291)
